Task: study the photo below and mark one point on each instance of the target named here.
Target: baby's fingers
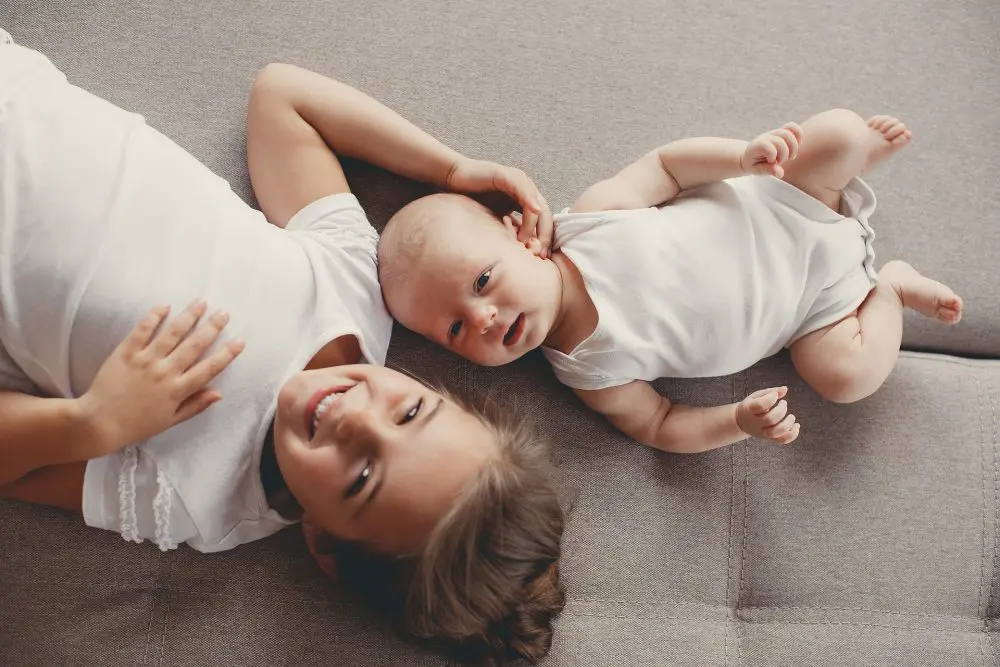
(788, 142)
(763, 400)
(780, 428)
(207, 369)
(790, 436)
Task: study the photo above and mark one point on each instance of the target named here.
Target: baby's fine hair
(485, 587)
(405, 235)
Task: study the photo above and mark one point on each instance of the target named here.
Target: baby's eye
(481, 281)
(412, 413)
(455, 328)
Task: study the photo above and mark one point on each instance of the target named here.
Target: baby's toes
(893, 130)
(879, 123)
(904, 138)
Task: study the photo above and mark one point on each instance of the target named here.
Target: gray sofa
(873, 540)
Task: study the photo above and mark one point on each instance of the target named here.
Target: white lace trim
(126, 495)
(161, 512)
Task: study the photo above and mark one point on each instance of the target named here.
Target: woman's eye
(482, 280)
(455, 328)
(359, 484)
(412, 413)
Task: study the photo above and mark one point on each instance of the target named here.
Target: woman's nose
(484, 318)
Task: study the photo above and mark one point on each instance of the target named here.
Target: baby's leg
(837, 145)
(849, 360)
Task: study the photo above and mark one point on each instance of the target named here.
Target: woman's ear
(320, 545)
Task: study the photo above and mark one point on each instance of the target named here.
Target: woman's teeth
(323, 406)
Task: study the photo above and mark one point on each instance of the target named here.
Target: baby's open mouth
(514, 332)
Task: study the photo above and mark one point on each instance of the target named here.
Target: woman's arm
(37, 432)
(299, 121)
(154, 379)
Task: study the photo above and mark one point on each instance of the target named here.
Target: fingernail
(223, 315)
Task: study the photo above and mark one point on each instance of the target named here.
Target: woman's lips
(314, 401)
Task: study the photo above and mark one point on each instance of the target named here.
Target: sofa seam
(983, 606)
(996, 509)
(729, 557)
(653, 603)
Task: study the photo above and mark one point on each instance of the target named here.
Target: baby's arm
(647, 417)
(662, 174)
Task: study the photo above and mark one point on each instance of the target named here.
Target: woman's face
(374, 456)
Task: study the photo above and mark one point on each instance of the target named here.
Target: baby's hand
(766, 154)
(156, 379)
(763, 414)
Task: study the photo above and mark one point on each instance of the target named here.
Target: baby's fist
(766, 154)
(764, 414)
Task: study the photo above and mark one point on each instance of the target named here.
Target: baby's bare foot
(928, 297)
(888, 136)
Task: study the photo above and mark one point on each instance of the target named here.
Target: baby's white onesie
(711, 283)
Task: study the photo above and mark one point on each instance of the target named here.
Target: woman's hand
(154, 380)
(483, 176)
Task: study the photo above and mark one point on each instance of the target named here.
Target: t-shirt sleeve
(340, 218)
(342, 246)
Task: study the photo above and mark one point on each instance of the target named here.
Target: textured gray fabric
(872, 540)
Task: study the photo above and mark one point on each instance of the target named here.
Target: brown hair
(485, 586)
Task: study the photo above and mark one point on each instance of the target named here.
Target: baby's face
(476, 290)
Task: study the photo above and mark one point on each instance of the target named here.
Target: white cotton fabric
(102, 217)
(711, 283)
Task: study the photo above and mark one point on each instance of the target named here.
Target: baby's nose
(485, 318)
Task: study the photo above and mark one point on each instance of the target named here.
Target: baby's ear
(511, 223)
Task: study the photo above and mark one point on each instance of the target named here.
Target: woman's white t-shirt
(102, 217)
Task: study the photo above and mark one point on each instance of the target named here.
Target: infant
(701, 258)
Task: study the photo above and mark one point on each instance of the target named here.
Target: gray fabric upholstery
(872, 540)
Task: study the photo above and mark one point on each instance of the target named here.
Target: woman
(101, 216)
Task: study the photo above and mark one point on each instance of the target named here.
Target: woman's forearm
(37, 432)
(358, 126)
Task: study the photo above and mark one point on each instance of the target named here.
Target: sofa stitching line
(653, 603)
(729, 557)
(743, 549)
(982, 453)
(711, 620)
(996, 519)
(166, 609)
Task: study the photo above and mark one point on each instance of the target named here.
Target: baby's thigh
(828, 358)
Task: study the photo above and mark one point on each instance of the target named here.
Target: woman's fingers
(190, 350)
(140, 336)
(165, 341)
(208, 368)
(196, 404)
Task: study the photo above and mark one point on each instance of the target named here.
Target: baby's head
(454, 272)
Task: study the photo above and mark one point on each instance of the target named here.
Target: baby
(698, 260)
